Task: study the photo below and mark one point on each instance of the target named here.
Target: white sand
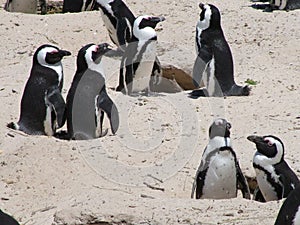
(44, 180)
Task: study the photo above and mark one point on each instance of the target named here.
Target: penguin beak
(63, 53)
(56, 56)
(157, 19)
(201, 5)
(103, 48)
(255, 139)
(228, 126)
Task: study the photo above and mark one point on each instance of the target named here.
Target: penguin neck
(57, 67)
(145, 34)
(97, 68)
(264, 161)
(220, 141)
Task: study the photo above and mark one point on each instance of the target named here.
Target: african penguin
(289, 213)
(79, 5)
(25, 6)
(274, 176)
(277, 5)
(87, 99)
(42, 105)
(219, 174)
(119, 21)
(139, 56)
(214, 63)
(6, 219)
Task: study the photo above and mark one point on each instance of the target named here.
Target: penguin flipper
(201, 172)
(54, 97)
(242, 182)
(105, 103)
(201, 63)
(124, 33)
(258, 196)
(156, 73)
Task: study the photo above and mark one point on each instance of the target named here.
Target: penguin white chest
(265, 187)
(220, 180)
(144, 69)
(48, 128)
(209, 77)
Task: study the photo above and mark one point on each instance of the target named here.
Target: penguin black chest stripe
(278, 188)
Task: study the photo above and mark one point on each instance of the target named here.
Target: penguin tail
(13, 125)
(246, 91)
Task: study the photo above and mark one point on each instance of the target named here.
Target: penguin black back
(214, 62)
(79, 5)
(6, 219)
(289, 213)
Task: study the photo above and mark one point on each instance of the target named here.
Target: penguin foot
(63, 135)
(237, 90)
(104, 133)
(199, 93)
(257, 195)
(12, 125)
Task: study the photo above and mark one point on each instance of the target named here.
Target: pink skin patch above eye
(269, 142)
(96, 48)
(54, 51)
(219, 122)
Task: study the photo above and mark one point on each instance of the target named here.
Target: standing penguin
(87, 99)
(214, 63)
(119, 21)
(219, 174)
(139, 57)
(274, 176)
(79, 5)
(42, 105)
(289, 213)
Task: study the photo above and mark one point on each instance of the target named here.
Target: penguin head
(210, 17)
(149, 21)
(48, 55)
(219, 128)
(269, 146)
(143, 27)
(90, 55)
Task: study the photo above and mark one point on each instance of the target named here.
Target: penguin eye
(269, 143)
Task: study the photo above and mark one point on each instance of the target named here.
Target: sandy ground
(44, 180)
